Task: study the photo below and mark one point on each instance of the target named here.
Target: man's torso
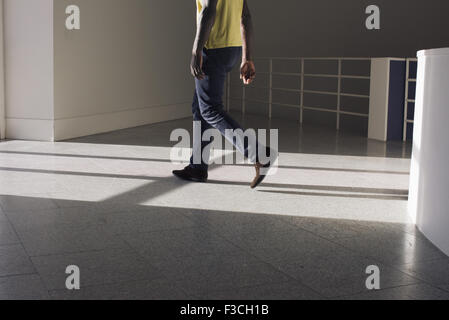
(226, 30)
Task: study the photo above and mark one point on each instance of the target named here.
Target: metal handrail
(315, 58)
(303, 75)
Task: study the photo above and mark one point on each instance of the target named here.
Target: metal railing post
(244, 100)
(301, 103)
(270, 94)
(339, 93)
(303, 75)
(407, 76)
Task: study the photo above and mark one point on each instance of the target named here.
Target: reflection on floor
(108, 204)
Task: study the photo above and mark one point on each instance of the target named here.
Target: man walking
(224, 34)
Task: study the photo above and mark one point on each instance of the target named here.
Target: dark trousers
(208, 109)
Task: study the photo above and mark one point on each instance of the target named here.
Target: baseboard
(2, 128)
(29, 129)
(84, 126)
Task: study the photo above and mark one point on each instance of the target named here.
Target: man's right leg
(197, 169)
(199, 152)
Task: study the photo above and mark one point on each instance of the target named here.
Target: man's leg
(197, 169)
(210, 97)
(199, 146)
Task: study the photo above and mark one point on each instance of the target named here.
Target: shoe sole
(190, 179)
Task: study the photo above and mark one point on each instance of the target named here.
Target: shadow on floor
(81, 156)
(392, 194)
(130, 251)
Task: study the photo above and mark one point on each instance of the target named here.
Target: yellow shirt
(226, 30)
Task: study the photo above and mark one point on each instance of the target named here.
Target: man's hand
(247, 72)
(196, 66)
(247, 69)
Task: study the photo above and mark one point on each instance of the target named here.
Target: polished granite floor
(109, 205)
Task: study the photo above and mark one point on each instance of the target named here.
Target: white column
(378, 107)
(429, 180)
(29, 85)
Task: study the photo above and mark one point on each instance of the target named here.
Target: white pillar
(429, 180)
(28, 39)
(378, 108)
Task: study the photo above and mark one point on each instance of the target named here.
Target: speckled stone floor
(109, 204)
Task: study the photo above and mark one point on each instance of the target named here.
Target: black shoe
(191, 174)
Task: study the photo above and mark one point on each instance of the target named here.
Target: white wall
(127, 66)
(337, 28)
(330, 28)
(29, 69)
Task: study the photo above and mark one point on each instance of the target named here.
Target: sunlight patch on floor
(334, 186)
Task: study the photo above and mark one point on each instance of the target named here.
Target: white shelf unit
(407, 100)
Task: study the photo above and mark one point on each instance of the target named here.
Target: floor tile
(137, 290)
(14, 261)
(96, 268)
(68, 239)
(27, 287)
(388, 229)
(278, 291)
(27, 184)
(230, 277)
(232, 223)
(326, 228)
(7, 232)
(179, 243)
(435, 272)
(444, 287)
(15, 203)
(393, 249)
(202, 266)
(145, 219)
(340, 273)
(411, 292)
(130, 219)
(51, 218)
(286, 246)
